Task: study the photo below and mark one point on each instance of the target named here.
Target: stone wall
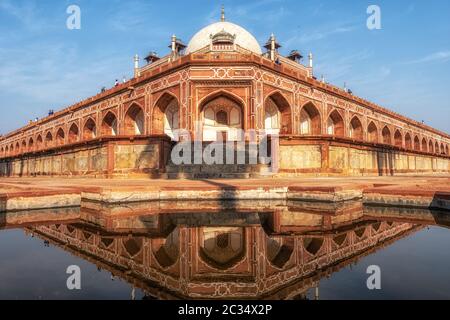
(331, 157)
(113, 157)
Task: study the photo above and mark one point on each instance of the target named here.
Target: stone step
(211, 169)
(203, 175)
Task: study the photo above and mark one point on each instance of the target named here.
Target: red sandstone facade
(223, 86)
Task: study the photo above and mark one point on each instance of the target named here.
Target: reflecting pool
(223, 250)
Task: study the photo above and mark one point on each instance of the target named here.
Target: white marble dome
(243, 38)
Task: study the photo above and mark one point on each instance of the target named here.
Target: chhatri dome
(243, 38)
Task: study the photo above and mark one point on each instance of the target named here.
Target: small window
(222, 118)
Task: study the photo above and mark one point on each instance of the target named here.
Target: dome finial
(222, 16)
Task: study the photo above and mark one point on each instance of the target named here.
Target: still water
(275, 250)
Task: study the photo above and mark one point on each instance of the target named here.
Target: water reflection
(268, 250)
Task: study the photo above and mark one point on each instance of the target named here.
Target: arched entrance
(424, 145)
(408, 141)
(356, 131)
(73, 133)
(277, 115)
(416, 143)
(310, 120)
(109, 125)
(166, 116)
(398, 139)
(222, 116)
(372, 132)
(222, 247)
(386, 133)
(134, 121)
(89, 130)
(335, 124)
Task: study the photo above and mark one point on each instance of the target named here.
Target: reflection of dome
(243, 38)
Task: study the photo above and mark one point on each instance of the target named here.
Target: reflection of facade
(224, 81)
(270, 254)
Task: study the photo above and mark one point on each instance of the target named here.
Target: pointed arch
(89, 129)
(109, 124)
(74, 133)
(416, 143)
(446, 150)
(23, 146)
(335, 124)
(279, 250)
(424, 145)
(430, 146)
(356, 129)
(134, 122)
(436, 148)
(30, 144)
(60, 137)
(313, 245)
(166, 252)
(6, 151)
(17, 149)
(39, 142)
(442, 148)
(222, 248)
(166, 115)
(386, 134)
(408, 141)
(277, 113)
(398, 139)
(310, 120)
(372, 132)
(222, 115)
(11, 149)
(48, 139)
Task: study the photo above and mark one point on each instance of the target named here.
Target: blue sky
(405, 66)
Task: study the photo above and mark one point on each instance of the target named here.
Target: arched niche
(372, 132)
(48, 140)
(310, 120)
(416, 143)
(39, 142)
(279, 250)
(222, 247)
(134, 122)
(60, 137)
(277, 115)
(109, 124)
(424, 145)
(222, 118)
(356, 129)
(386, 134)
(398, 139)
(89, 129)
(166, 116)
(166, 252)
(74, 133)
(408, 142)
(335, 124)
